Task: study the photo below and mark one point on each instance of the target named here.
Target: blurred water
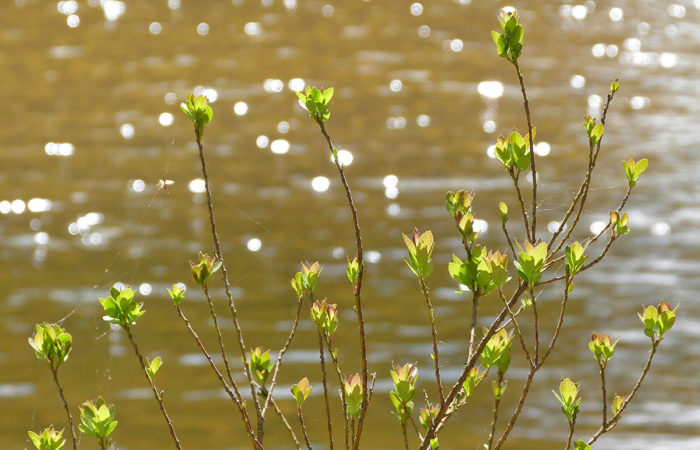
(91, 124)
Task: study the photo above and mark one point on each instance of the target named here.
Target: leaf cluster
(121, 308)
(51, 343)
(97, 420)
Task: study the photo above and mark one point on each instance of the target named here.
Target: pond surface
(91, 122)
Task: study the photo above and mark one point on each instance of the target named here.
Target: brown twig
(601, 365)
(444, 410)
(533, 236)
(472, 329)
(325, 389)
(583, 190)
(572, 425)
(517, 328)
(273, 383)
(336, 365)
(227, 285)
(357, 287)
(156, 393)
(560, 322)
(235, 396)
(433, 331)
(212, 312)
(510, 242)
(537, 324)
(523, 211)
(519, 408)
(496, 403)
(616, 418)
(303, 428)
(54, 372)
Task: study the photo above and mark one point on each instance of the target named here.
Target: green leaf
(153, 366)
(596, 134)
(581, 445)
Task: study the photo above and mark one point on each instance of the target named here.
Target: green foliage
(353, 395)
(427, 415)
(497, 351)
(152, 367)
(198, 111)
(575, 259)
(473, 379)
(581, 445)
(205, 268)
(483, 273)
(353, 271)
(658, 320)
(307, 279)
(568, 398)
(49, 439)
(634, 170)
(499, 388)
(260, 364)
(316, 102)
(301, 391)
(617, 404)
(602, 347)
(51, 343)
(404, 378)
(325, 316)
(420, 250)
(97, 420)
(614, 86)
(514, 151)
(177, 294)
(531, 262)
(459, 203)
(503, 210)
(619, 223)
(593, 130)
(120, 307)
(509, 43)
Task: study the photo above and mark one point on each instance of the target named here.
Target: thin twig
(303, 428)
(510, 242)
(433, 331)
(235, 396)
(515, 178)
(583, 190)
(517, 328)
(605, 396)
(533, 237)
(616, 418)
(519, 408)
(227, 285)
(444, 410)
(212, 312)
(572, 425)
(157, 394)
(273, 383)
(496, 403)
(537, 324)
(280, 414)
(325, 389)
(472, 330)
(560, 322)
(405, 435)
(357, 287)
(54, 372)
(336, 365)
